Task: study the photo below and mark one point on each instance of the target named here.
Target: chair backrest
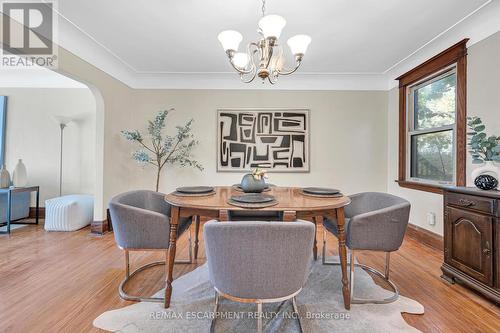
(140, 220)
(370, 201)
(256, 260)
(378, 221)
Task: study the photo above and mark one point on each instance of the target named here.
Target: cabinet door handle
(466, 203)
(486, 250)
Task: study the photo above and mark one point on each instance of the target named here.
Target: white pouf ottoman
(69, 212)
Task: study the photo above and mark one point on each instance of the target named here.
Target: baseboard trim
(425, 236)
(32, 213)
(101, 227)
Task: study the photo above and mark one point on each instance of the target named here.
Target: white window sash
(410, 129)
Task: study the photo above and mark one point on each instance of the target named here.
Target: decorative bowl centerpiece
(254, 182)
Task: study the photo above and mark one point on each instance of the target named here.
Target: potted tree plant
(164, 149)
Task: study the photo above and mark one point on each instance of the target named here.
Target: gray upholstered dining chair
(141, 222)
(375, 222)
(255, 262)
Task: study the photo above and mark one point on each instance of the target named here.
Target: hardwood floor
(60, 282)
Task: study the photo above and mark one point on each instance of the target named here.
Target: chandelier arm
(239, 70)
(291, 71)
(248, 80)
(251, 60)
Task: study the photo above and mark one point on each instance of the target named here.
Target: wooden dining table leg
(196, 234)
(289, 215)
(223, 215)
(343, 257)
(174, 221)
(316, 220)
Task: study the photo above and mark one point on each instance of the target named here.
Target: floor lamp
(63, 122)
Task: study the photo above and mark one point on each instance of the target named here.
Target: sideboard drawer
(480, 204)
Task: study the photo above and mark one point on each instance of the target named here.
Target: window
(432, 122)
(431, 126)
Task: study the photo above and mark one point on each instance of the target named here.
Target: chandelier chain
(263, 8)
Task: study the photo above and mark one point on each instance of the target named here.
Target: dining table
(291, 202)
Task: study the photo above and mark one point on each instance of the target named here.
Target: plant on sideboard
(164, 149)
(484, 150)
(481, 147)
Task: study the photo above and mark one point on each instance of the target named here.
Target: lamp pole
(61, 126)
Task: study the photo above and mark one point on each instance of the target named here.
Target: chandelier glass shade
(264, 58)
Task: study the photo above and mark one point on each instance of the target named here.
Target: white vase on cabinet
(20, 176)
(488, 168)
(4, 177)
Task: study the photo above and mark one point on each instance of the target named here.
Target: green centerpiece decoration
(161, 148)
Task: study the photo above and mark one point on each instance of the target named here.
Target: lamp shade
(271, 25)
(62, 120)
(298, 44)
(240, 60)
(230, 39)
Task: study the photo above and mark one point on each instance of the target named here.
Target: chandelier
(264, 58)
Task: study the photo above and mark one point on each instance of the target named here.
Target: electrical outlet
(431, 218)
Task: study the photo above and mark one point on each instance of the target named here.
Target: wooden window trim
(456, 54)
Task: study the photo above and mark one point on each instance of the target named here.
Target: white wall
(34, 136)
(483, 71)
(483, 87)
(348, 130)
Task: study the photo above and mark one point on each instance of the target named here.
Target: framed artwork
(273, 139)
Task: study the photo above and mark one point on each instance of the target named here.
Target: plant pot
(4, 177)
(489, 168)
(251, 185)
(20, 176)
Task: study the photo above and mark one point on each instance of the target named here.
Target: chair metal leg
(259, 303)
(372, 270)
(323, 254)
(190, 261)
(351, 275)
(127, 263)
(296, 310)
(259, 318)
(216, 309)
(129, 275)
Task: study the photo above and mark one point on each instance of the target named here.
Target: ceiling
(348, 36)
(356, 44)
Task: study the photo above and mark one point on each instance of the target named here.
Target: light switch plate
(431, 218)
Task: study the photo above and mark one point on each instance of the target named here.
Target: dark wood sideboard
(472, 238)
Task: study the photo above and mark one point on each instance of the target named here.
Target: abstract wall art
(274, 139)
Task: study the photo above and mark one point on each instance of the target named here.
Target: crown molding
(477, 25)
(36, 78)
(298, 81)
(78, 42)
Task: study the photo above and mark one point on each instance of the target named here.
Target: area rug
(320, 307)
